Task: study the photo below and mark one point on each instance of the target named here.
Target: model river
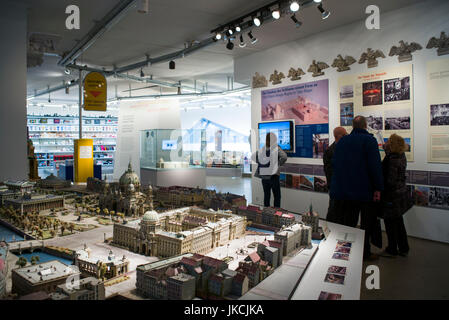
(9, 235)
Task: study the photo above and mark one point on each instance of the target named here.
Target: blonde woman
(395, 199)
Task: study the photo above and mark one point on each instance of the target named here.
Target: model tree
(22, 262)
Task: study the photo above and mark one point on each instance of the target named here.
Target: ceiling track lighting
(257, 21)
(296, 21)
(317, 1)
(230, 45)
(294, 6)
(324, 14)
(141, 73)
(67, 71)
(218, 36)
(172, 65)
(276, 14)
(253, 39)
(242, 43)
(238, 29)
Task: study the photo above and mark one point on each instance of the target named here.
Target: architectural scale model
(274, 218)
(98, 268)
(178, 231)
(311, 218)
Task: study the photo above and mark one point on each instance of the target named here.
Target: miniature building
(35, 202)
(85, 289)
(93, 267)
(186, 276)
(271, 251)
(126, 197)
(7, 194)
(20, 186)
(293, 237)
(42, 277)
(53, 182)
(181, 287)
(311, 219)
(273, 217)
(173, 232)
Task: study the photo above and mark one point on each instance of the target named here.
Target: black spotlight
(296, 21)
(141, 73)
(324, 14)
(253, 39)
(172, 65)
(230, 45)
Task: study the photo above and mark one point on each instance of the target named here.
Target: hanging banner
(95, 92)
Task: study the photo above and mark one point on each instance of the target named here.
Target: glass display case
(165, 149)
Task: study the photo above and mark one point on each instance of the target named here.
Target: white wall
(13, 140)
(236, 118)
(134, 117)
(415, 23)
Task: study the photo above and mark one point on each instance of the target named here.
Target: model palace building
(179, 231)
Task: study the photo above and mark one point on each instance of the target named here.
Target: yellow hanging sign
(95, 92)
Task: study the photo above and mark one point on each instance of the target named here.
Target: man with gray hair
(357, 179)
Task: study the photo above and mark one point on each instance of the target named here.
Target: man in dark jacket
(357, 179)
(339, 132)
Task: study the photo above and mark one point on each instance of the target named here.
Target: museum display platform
(310, 268)
(184, 177)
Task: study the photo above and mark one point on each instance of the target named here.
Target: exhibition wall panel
(416, 23)
(135, 117)
(13, 114)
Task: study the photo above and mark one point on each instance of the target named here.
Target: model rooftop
(47, 271)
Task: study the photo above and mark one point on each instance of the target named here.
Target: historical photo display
(439, 197)
(320, 144)
(306, 103)
(385, 99)
(372, 93)
(397, 119)
(346, 114)
(439, 114)
(329, 296)
(374, 120)
(347, 92)
(397, 89)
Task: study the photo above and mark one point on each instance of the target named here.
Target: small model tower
(311, 219)
(32, 162)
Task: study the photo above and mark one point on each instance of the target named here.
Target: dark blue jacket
(356, 167)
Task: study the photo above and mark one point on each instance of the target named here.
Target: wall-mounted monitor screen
(169, 144)
(284, 131)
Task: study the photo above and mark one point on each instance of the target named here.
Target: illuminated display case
(165, 149)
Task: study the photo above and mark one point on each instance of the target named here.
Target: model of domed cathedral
(126, 197)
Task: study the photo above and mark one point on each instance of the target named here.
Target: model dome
(128, 178)
(151, 216)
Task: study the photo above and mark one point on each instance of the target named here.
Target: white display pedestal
(188, 177)
(224, 172)
(313, 282)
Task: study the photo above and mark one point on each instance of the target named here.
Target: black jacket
(327, 161)
(395, 198)
(356, 167)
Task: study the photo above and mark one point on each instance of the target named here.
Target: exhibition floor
(421, 275)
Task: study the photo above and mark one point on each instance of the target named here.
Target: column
(13, 64)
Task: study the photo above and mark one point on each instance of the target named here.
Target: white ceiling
(168, 25)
